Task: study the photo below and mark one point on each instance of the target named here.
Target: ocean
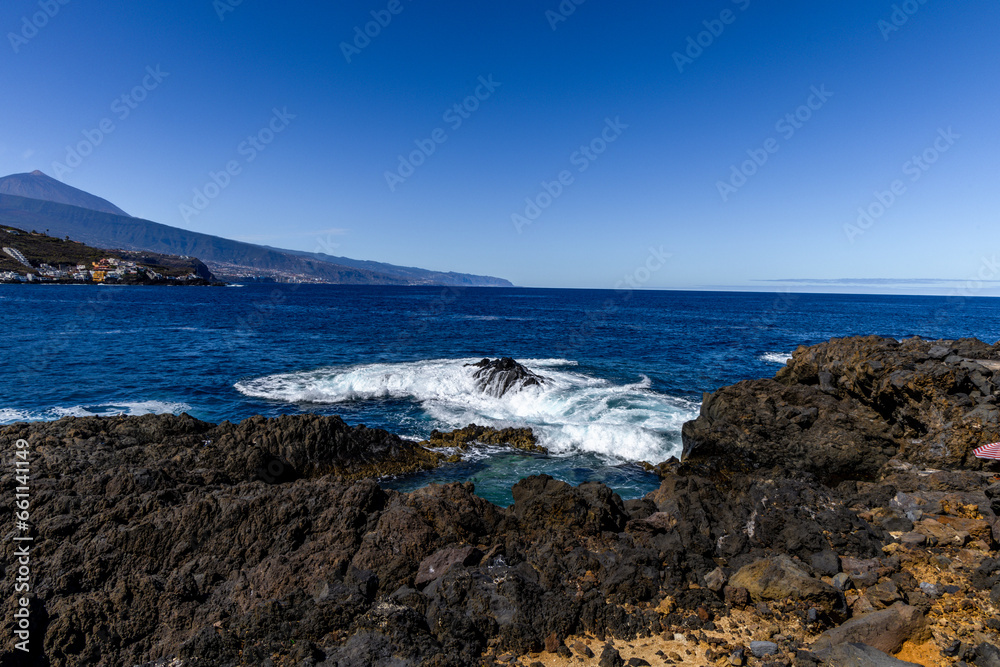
(624, 369)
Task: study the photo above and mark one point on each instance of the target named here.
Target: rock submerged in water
(463, 438)
(498, 377)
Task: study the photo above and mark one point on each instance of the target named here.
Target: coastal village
(33, 257)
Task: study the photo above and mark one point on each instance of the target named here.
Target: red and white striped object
(990, 451)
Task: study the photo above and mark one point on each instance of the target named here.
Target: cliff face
(799, 522)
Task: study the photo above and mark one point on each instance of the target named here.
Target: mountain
(227, 259)
(48, 209)
(37, 185)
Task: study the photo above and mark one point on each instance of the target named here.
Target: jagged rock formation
(498, 377)
(844, 408)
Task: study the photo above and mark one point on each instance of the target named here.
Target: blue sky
(663, 132)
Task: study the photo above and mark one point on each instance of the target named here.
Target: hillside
(412, 275)
(35, 201)
(51, 257)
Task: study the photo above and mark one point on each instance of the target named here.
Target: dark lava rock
(764, 423)
(987, 655)
(497, 377)
(825, 563)
(440, 562)
(883, 398)
(610, 657)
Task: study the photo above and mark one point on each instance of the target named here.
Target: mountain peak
(38, 185)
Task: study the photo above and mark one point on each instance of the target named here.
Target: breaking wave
(776, 357)
(570, 413)
(11, 415)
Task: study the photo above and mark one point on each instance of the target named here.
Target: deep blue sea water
(624, 369)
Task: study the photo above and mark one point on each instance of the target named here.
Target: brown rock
(913, 539)
(779, 577)
(885, 630)
(862, 571)
(860, 655)
(862, 605)
(977, 528)
(938, 533)
(736, 596)
(715, 580)
(883, 594)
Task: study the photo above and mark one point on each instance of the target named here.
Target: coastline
(805, 504)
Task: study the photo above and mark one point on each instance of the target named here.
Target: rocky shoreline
(831, 515)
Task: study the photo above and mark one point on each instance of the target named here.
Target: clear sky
(820, 108)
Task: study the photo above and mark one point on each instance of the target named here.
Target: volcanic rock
(890, 399)
(463, 438)
(779, 577)
(859, 655)
(885, 630)
(497, 377)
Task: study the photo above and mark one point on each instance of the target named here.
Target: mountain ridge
(99, 223)
(103, 230)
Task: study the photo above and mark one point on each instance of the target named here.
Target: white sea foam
(570, 412)
(776, 357)
(133, 408)
(10, 416)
